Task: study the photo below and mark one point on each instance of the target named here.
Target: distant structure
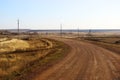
(4, 32)
(89, 32)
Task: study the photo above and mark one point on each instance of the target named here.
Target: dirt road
(84, 62)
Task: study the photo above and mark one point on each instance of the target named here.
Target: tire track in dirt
(85, 62)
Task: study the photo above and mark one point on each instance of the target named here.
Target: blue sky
(48, 14)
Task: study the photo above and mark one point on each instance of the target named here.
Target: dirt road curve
(84, 62)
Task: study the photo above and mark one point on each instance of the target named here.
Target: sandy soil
(85, 62)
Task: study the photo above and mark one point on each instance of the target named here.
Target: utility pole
(61, 30)
(18, 24)
(78, 32)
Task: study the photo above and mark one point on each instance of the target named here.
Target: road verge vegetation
(23, 64)
(112, 44)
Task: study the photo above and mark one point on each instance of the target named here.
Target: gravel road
(85, 61)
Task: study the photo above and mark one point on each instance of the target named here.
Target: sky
(49, 14)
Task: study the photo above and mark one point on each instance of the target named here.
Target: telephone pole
(61, 30)
(78, 32)
(18, 24)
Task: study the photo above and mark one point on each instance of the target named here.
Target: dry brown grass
(17, 54)
(13, 45)
(3, 39)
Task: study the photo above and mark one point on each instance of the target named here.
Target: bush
(117, 42)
